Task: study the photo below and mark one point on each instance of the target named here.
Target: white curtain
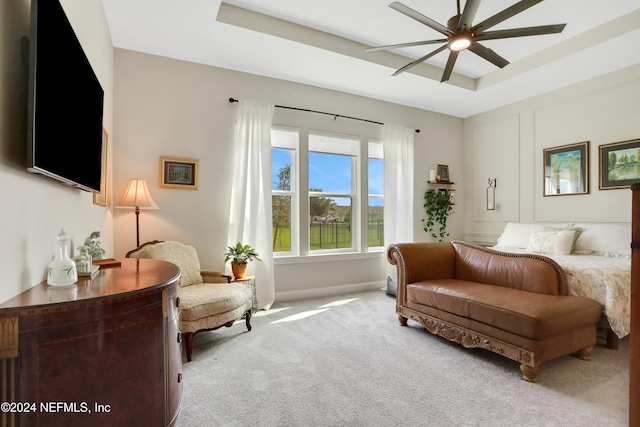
(250, 210)
(398, 186)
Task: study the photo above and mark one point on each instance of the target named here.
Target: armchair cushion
(204, 299)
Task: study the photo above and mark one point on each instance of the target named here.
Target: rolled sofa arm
(421, 261)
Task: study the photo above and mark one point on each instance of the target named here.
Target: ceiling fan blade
(420, 18)
(505, 14)
(469, 12)
(394, 46)
(520, 32)
(449, 67)
(419, 60)
(488, 54)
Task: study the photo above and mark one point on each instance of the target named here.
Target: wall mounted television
(65, 102)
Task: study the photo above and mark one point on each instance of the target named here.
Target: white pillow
(604, 239)
(551, 242)
(517, 234)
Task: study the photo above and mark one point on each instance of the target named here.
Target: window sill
(328, 257)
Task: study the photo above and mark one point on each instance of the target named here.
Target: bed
(596, 258)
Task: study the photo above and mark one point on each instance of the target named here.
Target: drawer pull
(177, 301)
(179, 337)
(180, 377)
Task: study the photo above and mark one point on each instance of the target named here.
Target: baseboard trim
(328, 291)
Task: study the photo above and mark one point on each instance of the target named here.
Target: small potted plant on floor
(240, 255)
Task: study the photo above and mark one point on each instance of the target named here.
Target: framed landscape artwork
(619, 164)
(179, 173)
(566, 170)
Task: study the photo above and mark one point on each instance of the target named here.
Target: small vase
(239, 270)
(62, 270)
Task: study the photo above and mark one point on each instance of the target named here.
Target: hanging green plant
(438, 207)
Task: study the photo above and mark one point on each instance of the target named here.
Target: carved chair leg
(402, 320)
(188, 344)
(529, 373)
(585, 353)
(247, 320)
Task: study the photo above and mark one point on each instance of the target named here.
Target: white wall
(34, 208)
(175, 108)
(508, 144)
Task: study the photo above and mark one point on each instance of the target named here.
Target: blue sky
(330, 172)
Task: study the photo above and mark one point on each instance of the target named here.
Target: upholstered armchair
(208, 300)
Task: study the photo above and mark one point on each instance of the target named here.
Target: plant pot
(239, 270)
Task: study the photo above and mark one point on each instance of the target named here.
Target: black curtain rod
(335, 116)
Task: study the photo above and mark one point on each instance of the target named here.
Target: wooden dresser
(103, 352)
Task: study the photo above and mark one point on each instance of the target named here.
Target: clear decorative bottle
(62, 270)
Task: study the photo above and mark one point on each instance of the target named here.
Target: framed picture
(566, 170)
(619, 164)
(443, 173)
(100, 198)
(179, 173)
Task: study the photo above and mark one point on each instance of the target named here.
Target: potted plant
(240, 255)
(438, 206)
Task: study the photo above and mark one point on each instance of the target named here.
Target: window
(326, 212)
(283, 187)
(375, 211)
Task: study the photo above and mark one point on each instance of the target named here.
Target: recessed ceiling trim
(254, 21)
(597, 35)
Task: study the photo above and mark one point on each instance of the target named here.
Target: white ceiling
(322, 43)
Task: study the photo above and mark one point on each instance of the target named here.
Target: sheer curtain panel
(398, 186)
(250, 210)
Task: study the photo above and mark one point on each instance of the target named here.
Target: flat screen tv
(65, 102)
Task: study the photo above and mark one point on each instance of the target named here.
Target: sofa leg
(529, 373)
(585, 353)
(188, 344)
(402, 320)
(247, 319)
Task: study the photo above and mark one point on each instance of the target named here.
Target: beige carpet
(345, 361)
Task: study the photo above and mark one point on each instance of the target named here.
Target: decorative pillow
(551, 242)
(578, 230)
(517, 234)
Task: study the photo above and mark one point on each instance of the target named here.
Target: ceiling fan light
(460, 42)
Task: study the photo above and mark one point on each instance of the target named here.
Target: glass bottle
(62, 270)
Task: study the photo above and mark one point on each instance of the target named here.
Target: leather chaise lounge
(516, 305)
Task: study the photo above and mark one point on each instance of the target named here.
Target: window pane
(281, 160)
(376, 176)
(281, 210)
(376, 222)
(330, 223)
(330, 173)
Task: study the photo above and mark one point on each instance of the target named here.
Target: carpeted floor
(345, 361)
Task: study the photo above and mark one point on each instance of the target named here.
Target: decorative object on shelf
(566, 169)
(93, 246)
(179, 173)
(442, 173)
(137, 196)
(619, 163)
(491, 194)
(240, 255)
(62, 270)
(438, 207)
(432, 175)
(452, 196)
(84, 262)
(100, 198)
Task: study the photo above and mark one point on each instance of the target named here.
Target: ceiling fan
(461, 34)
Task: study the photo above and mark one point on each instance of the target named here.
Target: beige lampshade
(137, 196)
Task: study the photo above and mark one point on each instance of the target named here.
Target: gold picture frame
(179, 173)
(100, 198)
(566, 170)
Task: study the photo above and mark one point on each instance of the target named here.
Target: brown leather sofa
(516, 305)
